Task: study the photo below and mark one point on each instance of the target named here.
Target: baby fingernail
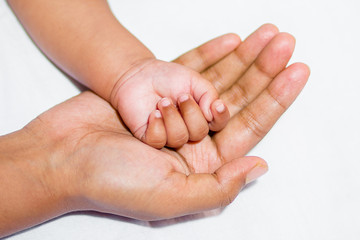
(157, 114)
(183, 98)
(165, 102)
(256, 172)
(220, 108)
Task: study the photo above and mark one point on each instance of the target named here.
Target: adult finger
(226, 72)
(250, 125)
(209, 53)
(272, 60)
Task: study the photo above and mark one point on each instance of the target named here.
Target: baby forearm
(83, 38)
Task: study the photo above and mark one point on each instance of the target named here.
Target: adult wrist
(31, 189)
(50, 144)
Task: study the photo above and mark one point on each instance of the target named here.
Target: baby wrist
(132, 69)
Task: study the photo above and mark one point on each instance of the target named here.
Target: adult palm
(103, 167)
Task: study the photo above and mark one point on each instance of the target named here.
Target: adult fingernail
(183, 98)
(257, 171)
(165, 102)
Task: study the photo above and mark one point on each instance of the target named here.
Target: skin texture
(79, 155)
(85, 40)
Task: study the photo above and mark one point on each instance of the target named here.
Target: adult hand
(92, 162)
(256, 85)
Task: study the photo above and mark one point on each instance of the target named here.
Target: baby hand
(167, 104)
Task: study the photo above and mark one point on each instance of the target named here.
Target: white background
(312, 190)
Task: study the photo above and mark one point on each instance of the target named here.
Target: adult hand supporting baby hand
(79, 155)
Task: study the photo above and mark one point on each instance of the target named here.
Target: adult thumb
(209, 191)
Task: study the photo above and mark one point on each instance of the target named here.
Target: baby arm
(85, 40)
